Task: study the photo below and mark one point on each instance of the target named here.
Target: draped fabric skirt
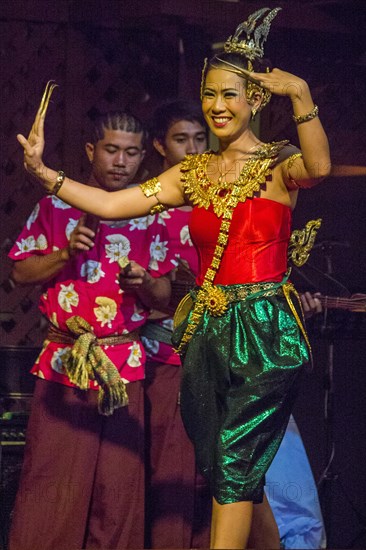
(240, 380)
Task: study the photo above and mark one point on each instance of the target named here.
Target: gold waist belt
(216, 298)
(60, 337)
(251, 290)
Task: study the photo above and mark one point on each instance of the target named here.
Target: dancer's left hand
(280, 82)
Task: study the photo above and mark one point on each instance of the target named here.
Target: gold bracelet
(59, 181)
(157, 208)
(150, 189)
(305, 118)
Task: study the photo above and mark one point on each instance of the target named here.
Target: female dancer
(242, 340)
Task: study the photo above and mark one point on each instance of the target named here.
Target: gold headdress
(249, 46)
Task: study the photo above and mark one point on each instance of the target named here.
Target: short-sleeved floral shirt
(88, 284)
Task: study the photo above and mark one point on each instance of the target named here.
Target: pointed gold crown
(251, 46)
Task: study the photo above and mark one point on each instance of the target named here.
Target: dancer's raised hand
(34, 145)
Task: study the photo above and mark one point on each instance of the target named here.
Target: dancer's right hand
(33, 146)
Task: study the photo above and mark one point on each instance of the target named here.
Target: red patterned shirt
(88, 284)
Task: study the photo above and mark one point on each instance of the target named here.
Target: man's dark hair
(117, 120)
(173, 111)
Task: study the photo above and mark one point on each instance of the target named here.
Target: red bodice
(257, 246)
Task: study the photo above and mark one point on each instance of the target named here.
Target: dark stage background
(133, 54)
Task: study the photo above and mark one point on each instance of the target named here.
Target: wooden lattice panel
(32, 54)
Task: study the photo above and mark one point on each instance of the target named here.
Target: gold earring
(254, 112)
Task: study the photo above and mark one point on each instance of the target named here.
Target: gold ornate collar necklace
(225, 196)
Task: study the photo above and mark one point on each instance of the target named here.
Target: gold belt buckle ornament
(216, 301)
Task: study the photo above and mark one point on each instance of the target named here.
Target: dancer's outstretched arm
(127, 203)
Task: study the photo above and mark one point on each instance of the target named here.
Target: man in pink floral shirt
(82, 484)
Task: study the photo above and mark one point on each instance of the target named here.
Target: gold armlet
(305, 118)
(59, 181)
(150, 189)
(290, 162)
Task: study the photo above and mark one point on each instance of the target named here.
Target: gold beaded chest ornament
(248, 41)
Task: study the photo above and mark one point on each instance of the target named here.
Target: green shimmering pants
(240, 380)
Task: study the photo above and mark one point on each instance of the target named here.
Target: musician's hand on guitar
(356, 302)
(311, 304)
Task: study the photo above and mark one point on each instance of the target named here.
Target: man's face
(183, 138)
(115, 159)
